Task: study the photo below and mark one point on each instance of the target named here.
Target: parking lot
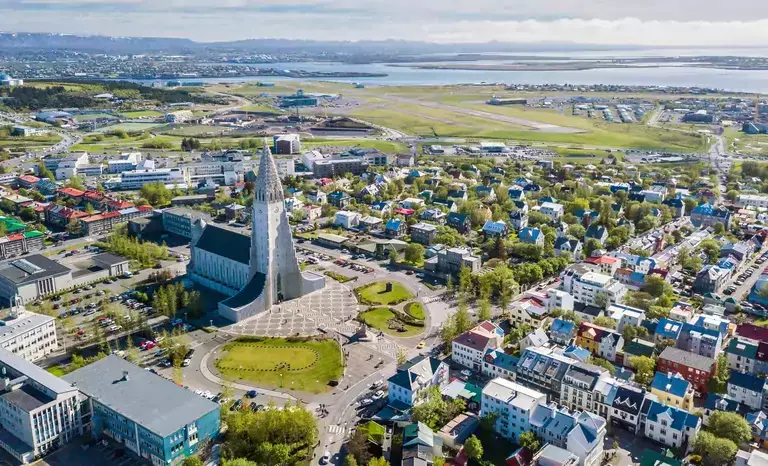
(83, 453)
(741, 284)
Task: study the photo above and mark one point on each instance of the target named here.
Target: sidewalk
(213, 378)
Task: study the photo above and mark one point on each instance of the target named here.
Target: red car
(149, 345)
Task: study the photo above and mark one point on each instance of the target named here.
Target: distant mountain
(39, 42)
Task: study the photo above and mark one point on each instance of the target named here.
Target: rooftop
(30, 269)
(687, 359)
(151, 401)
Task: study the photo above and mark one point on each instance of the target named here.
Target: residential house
(382, 207)
(670, 426)
(458, 430)
(710, 279)
(587, 312)
(544, 369)
(625, 315)
(469, 348)
(317, 197)
(637, 347)
(459, 222)
(433, 215)
(694, 368)
(531, 236)
(748, 356)
(601, 342)
(493, 229)
(580, 389)
(423, 233)
(519, 219)
(346, 219)
(395, 228)
(562, 332)
(339, 199)
(626, 403)
(569, 245)
(598, 232)
(700, 340)
(749, 390)
(420, 445)
(667, 330)
(593, 287)
(715, 402)
(673, 390)
(676, 205)
(496, 363)
(537, 337)
(707, 215)
(512, 404)
(552, 210)
(415, 376)
(607, 265)
(529, 311)
(370, 223)
(450, 261)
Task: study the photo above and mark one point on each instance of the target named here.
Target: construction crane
(757, 108)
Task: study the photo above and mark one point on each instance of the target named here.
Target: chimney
(125, 376)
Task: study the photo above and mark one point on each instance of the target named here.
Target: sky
(605, 22)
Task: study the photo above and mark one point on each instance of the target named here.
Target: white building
(752, 200)
(552, 210)
(170, 177)
(749, 390)
(346, 219)
(414, 377)
(179, 116)
(28, 335)
(127, 162)
(513, 404)
(68, 166)
(39, 412)
(221, 173)
(671, 426)
(589, 286)
(625, 315)
(469, 348)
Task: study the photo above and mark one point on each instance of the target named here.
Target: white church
(257, 271)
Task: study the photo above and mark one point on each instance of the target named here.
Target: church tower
(272, 250)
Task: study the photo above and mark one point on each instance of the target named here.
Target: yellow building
(673, 390)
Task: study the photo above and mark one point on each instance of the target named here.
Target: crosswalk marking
(334, 429)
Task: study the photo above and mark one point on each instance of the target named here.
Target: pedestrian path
(334, 429)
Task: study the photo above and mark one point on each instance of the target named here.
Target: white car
(378, 395)
(466, 373)
(186, 362)
(325, 458)
(366, 402)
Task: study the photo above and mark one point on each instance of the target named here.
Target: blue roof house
(562, 331)
(531, 235)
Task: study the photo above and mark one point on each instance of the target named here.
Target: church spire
(267, 187)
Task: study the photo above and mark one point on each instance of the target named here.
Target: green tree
(192, 461)
(717, 451)
(465, 279)
(604, 321)
(156, 194)
(378, 462)
(462, 319)
(529, 440)
(401, 356)
(414, 253)
(74, 227)
(591, 246)
(656, 286)
(484, 310)
(604, 363)
(43, 172)
(644, 368)
(474, 448)
(719, 228)
(729, 425)
(357, 447)
(602, 300)
(349, 460)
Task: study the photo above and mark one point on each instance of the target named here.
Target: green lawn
(261, 108)
(415, 310)
(379, 317)
(56, 370)
(305, 365)
(141, 114)
(198, 130)
(131, 127)
(93, 116)
(375, 293)
(389, 147)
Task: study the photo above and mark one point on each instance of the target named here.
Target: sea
(663, 74)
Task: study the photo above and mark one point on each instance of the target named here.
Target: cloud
(650, 22)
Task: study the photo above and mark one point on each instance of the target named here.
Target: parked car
(251, 393)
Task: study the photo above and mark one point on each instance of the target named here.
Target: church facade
(259, 271)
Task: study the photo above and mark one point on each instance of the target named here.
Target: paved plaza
(330, 309)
